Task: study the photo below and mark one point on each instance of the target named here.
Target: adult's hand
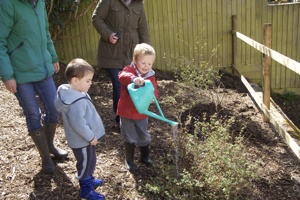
(11, 85)
(56, 67)
(112, 38)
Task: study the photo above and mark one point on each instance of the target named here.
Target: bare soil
(20, 166)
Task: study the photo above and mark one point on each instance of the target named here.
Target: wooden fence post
(267, 69)
(234, 44)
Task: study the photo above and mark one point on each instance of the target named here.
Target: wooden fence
(271, 112)
(193, 28)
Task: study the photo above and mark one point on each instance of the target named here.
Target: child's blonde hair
(78, 68)
(143, 49)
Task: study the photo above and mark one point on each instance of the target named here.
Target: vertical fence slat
(205, 29)
(278, 46)
(165, 46)
(214, 29)
(298, 49)
(200, 26)
(253, 29)
(243, 30)
(289, 35)
(195, 24)
(234, 44)
(229, 10)
(180, 28)
(247, 31)
(283, 75)
(220, 33)
(294, 43)
(175, 28)
(260, 16)
(157, 34)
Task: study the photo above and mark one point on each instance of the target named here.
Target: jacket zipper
(34, 7)
(18, 47)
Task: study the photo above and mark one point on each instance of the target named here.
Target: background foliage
(62, 13)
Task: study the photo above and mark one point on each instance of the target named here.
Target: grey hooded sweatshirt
(81, 120)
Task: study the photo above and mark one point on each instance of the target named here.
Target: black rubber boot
(145, 156)
(129, 154)
(50, 132)
(39, 138)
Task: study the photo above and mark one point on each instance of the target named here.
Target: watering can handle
(147, 82)
(134, 84)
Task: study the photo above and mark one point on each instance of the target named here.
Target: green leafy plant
(290, 98)
(62, 13)
(198, 73)
(214, 167)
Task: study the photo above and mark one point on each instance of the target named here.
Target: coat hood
(67, 96)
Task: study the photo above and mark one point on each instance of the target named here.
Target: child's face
(144, 63)
(82, 85)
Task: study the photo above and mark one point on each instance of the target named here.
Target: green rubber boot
(50, 132)
(39, 138)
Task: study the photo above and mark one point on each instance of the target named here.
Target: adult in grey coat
(122, 25)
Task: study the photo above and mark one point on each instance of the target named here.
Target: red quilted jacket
(126, 107)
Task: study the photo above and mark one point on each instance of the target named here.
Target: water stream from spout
(174, 130)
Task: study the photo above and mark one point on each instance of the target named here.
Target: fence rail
(280, 58)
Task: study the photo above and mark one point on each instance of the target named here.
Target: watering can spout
(142, 98)
(151, 114)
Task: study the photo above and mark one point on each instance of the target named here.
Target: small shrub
(213, 168)
(290, 98)
(198, 73)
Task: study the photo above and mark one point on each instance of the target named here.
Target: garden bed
(21, 178)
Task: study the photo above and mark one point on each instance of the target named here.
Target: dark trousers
(86, 161)
(116, 89)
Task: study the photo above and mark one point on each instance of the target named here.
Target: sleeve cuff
(54, 60)
(133, 78)
(7, 77)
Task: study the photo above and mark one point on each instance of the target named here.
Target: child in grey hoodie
(82, 124)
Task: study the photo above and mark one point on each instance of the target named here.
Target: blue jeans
(46, 91)
(116, 89)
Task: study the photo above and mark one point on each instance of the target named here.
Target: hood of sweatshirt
(67, 96)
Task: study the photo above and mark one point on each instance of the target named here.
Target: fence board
(288, 78)
(294, 41)
(298, 49)
(205, 30)
(284, 21)
(214, 33)
(229, 10)
(220, 32)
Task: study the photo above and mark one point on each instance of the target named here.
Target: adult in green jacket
(27, 62)
(122, 25)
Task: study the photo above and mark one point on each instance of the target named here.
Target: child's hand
(152, 101)
(138, 81)
(94, 141)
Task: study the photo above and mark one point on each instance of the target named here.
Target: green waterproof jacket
(27, 53)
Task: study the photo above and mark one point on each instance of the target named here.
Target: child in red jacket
(134, 125)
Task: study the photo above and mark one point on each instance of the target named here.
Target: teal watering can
(142, 98)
